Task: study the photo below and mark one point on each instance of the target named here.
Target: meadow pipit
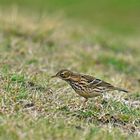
(85, 85)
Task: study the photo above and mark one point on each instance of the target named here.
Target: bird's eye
(64, 75)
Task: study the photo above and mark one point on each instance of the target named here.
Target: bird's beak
(54, 76)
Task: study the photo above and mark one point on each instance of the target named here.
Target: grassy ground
(117, 16)
(34, 106)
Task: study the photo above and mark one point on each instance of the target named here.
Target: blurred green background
(119, 16)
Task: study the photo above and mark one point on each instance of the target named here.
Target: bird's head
(63, 74)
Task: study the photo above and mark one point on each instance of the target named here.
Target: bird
(85, 85)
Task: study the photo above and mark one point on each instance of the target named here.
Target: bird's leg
(83, 106)
(86, 99)
(85, 102)
(98, 102)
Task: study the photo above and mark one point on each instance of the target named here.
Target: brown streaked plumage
(85, 85)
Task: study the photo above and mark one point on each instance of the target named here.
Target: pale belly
(89, 95)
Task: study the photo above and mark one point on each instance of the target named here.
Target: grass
(33, 106)
(119, 17)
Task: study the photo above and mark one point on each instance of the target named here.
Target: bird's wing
(94, 83)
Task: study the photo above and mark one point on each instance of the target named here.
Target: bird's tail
(120, 89)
